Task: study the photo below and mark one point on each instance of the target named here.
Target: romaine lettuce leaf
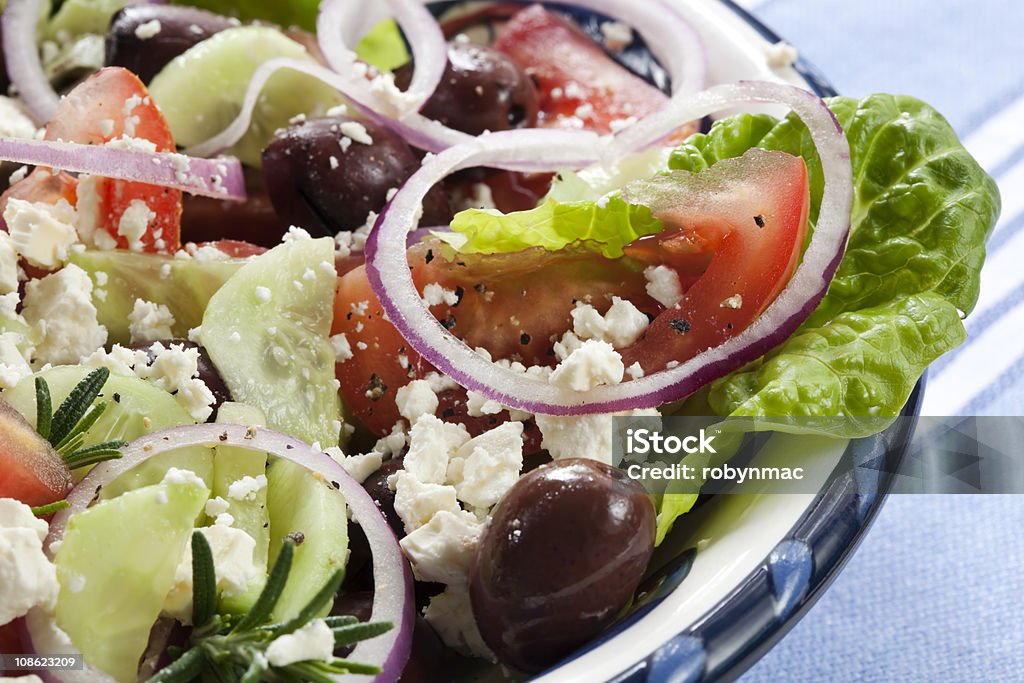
(922, 211)
(606, 227)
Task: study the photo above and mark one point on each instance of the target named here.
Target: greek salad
(316, 317)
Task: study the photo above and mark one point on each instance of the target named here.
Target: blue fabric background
(936, 591)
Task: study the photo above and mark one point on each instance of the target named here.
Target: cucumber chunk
(201, 90)
(230, 464)
(301, 503)
(267, 330)
(116, 566)
(183, 285)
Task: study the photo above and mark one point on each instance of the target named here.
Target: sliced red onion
(671, 39)
(388, 269)
(21, 57)
(220, 178)
(393, 594)
(342, 23)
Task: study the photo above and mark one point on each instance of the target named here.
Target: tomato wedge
(733, 236)
(578, 83)
(108, 105)
(753, 210)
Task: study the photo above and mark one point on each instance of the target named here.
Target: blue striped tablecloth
(936, 591)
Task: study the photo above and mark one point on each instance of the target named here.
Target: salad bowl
(374, 394)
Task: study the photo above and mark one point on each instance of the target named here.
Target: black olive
(482, 89)
(144, 38)
(322, 179)
(565, 551)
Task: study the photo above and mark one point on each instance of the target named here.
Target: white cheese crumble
(232, 551)
(247, 487)
(621, 325)
(357, 132)
(582, 436)
(593, 364)
(435, 295)
(134, 222)
(60, 307)
(149, 322)
(442, 550)
(8, 264)
(418, 502)
(451, 615)
(174, 368)
(359, 467)
(27, 577)
(148, 30)
(487, 466)
(14, 123)
(431, 444)
(342, 349)
(735, 301)
(262, 294)
(41, 232)
(416, 398)
(663, 285)
(312, 642)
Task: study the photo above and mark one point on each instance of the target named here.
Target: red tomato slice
(110, 104)
(517, 305)
(573, 72)
(753, 210)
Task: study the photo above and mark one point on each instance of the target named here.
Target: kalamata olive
(427, 661)
(377, 486)
(144, 38)
(564, 552)
(207, 370)
(481, 89)
(327, 181)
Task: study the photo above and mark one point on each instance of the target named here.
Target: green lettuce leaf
(383, 47)
(922, 211)
(606, 227)
(301, 13)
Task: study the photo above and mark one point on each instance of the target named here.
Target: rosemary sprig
(228, 648)
(66, 428)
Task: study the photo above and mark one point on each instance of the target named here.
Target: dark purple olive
(564, 552)
(481, 89)
(377, 486)
(5, 80)
(322, 179)
(427, 661)
(207, 371)
(144, 38)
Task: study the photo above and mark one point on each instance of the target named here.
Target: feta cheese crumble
(41, 232)
(312, 642)
(149, 322)
(593, 364)
(663, 285)
(27, 577)
(60, 307)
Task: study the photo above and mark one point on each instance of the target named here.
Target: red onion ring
(670, 38)
(342, 23)
(393, 595)
(21, 57)
(220, 177)
(388, 269)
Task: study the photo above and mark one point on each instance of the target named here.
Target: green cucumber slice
(230, 464)
(201, 90)
(267, 330)
(301, 503)
(116, 566)
(183, 285)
